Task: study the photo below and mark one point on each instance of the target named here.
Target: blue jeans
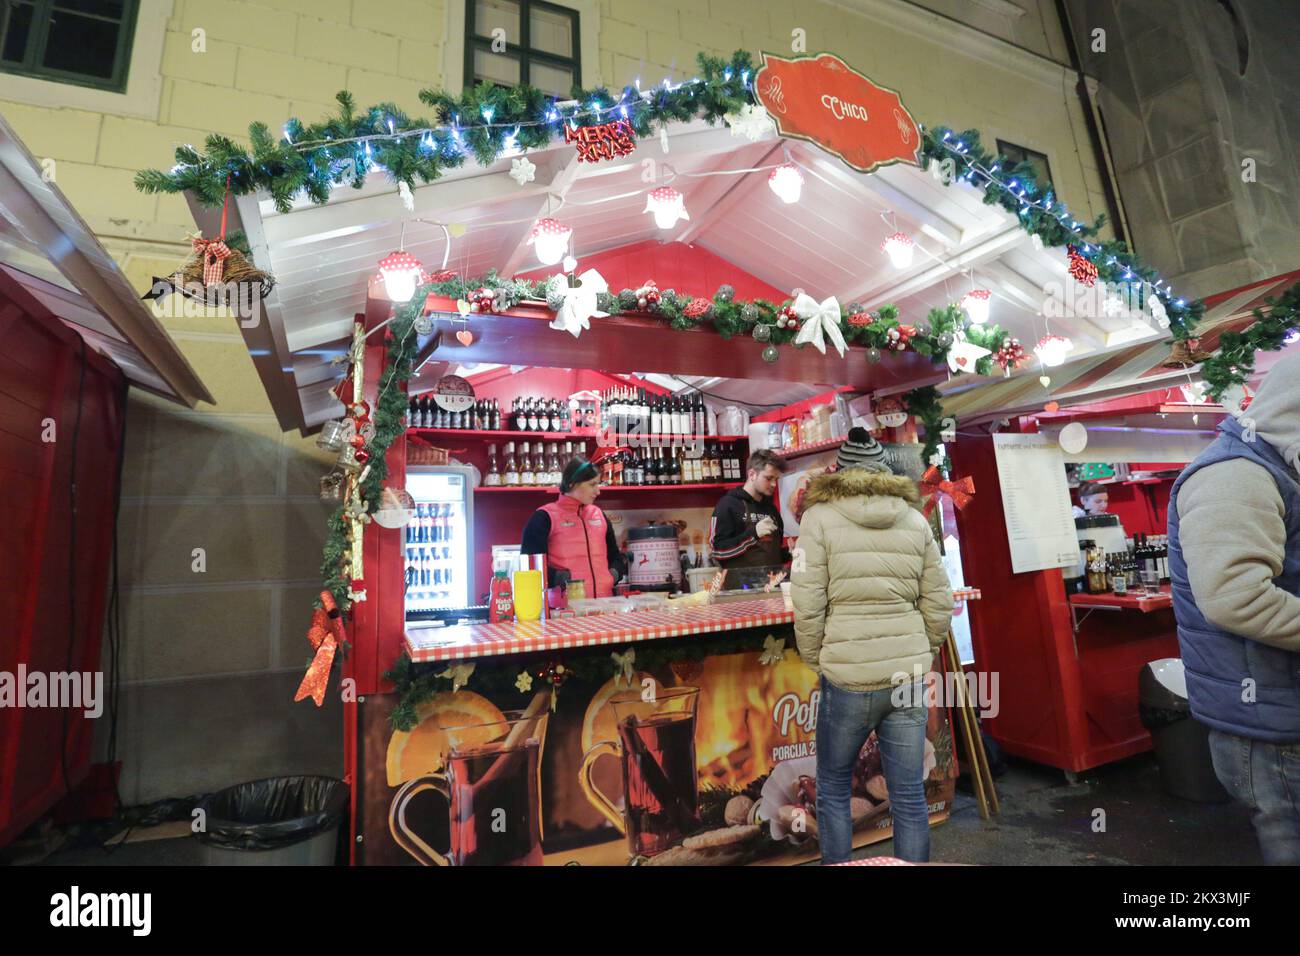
(844, 720)
(1265, 777)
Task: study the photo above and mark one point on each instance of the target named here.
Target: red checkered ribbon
(214, 253)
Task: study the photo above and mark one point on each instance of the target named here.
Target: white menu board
(1040, 521)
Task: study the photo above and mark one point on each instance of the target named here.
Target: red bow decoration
(960, 491)
(214, 253)
(326, 634)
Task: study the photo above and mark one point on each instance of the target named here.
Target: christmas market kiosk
(661, 280)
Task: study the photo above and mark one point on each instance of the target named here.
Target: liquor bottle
(496, 416)
(1164, 559)
(553, 463)
(512, 466)
(518, 417)
(568, 454)
(657, 416)
(526, 476)
(701, 419)
(680, 468)
(426, 568)
(643, 412)
(540, 473)
(493, 477)
(684, 417)
(533, 423)
(566, 416)
(630, 424)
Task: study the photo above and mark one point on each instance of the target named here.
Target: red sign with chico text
(825, 101)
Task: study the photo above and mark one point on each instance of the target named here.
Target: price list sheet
(1040, 522)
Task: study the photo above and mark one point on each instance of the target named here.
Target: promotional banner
(825, 101)
(711, 762)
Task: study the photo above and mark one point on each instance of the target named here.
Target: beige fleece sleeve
(936, 593)
(1233, 534)
(808, 580)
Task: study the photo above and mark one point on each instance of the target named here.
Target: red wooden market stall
(76, 337)
(809, 288)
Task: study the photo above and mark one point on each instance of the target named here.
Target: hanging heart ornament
(465, 337)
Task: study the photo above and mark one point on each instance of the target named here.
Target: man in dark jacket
(1234, 558)
(746, 530)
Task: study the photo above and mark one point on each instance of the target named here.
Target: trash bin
(279, 821)
(1182, 743)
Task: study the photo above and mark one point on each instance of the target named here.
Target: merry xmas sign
(825, 101)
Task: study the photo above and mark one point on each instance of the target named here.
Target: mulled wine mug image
(656, 750)
(491, 781)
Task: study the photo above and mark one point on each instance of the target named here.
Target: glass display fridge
(439, 540)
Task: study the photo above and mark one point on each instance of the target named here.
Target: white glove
(765, 527)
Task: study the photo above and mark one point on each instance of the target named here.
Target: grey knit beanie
(860, 450)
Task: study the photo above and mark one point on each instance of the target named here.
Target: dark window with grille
(1011, 153)
(508, 42)
(83, 42)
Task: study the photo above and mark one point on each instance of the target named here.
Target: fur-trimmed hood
(869, 498)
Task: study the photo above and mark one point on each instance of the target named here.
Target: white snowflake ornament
(750, 121)
(522, 170)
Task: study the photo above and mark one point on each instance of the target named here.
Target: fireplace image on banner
(701, 762)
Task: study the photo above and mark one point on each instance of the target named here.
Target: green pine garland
(343, 148)
(1235, 360)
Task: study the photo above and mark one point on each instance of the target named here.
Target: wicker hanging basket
(1185, 353)
(237, 270)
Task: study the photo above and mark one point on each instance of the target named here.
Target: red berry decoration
(787, 318)
(697, 307)
(861, 320)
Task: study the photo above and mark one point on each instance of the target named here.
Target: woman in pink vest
(574, 534)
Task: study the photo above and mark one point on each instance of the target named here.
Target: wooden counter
(1125, 602)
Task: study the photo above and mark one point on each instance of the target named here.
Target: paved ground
(1044, 821)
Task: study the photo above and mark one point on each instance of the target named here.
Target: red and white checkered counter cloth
(875, 861)
(469, 641)
(465, 641)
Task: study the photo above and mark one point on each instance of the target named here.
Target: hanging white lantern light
(401, 272)
(787, 182)
(975, 304)
(899, 248)
(1053, 349)
(667, 205)
(549, 239)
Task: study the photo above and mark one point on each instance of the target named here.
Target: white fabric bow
(459, 674)
(624, 664)
(773, 650)
(819, 318)
(580, 304)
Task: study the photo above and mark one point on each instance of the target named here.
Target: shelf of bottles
(672, 466)
(621, 412)
(554, 489)
(664, 442)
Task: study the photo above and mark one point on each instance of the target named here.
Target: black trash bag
(272, 813)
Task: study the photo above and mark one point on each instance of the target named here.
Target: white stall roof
(47, 248)
(828, 244)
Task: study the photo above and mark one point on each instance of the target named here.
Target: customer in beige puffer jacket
(871, 607)
(874, 600)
